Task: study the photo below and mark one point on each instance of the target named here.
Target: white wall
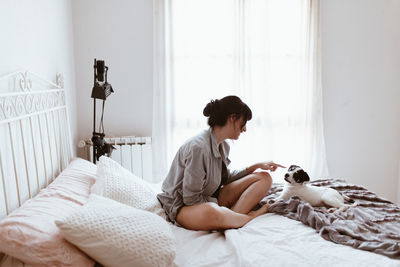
(361, 81)
(37, 35)
(119, 32)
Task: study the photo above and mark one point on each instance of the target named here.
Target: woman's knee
(265, 177)
(212, 213)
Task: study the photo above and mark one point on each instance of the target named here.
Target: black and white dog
(297, 185)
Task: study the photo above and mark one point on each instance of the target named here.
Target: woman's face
(239, 126)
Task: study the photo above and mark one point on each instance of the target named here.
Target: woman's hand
(269, 166)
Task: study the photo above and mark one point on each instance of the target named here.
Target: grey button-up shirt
(195, 173)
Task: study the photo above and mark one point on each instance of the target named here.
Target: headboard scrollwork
(35, 134)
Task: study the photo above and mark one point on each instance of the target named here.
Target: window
(264, 51)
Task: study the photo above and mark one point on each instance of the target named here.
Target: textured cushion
(115, 234)
(119, 184)
(30, 234)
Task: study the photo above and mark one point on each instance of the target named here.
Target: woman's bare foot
(259, 212)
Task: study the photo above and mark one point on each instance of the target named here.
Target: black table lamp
(101, 90)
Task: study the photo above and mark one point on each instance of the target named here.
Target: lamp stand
(94, 129)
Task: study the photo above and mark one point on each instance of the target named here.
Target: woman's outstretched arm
(268, 166)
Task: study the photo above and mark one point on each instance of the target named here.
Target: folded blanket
(372, 225)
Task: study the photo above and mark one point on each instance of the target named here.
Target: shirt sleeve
(194, 177)
(234, 175)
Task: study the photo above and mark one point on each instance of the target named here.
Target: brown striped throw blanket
(372, 225)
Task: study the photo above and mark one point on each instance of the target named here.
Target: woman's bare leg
(237, 199)
(244, 194)
(210, 216)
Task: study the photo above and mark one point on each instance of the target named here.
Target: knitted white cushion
(116, 182)
(115, 234)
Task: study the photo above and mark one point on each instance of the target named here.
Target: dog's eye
(293, 167)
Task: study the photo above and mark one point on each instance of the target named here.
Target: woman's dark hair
(219, 110)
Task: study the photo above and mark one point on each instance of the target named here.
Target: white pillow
(115, 182)
(115, 234)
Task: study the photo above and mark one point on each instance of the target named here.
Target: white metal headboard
(35, 142)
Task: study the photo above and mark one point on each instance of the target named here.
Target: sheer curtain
(265, 51)
(162, 93)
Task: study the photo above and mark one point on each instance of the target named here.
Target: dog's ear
(301, 177)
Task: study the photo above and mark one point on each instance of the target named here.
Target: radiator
(133, 153)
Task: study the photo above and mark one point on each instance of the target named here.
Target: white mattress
(269, 240)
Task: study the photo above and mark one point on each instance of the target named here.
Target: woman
(199, 192)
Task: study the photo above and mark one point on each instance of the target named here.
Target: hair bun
(211, 107)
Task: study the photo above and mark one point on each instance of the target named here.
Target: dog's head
(296, 174)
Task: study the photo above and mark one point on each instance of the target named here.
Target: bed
(57, 210)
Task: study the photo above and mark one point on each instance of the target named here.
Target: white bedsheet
(269, 240)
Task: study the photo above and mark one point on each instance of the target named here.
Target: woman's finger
(278, 165)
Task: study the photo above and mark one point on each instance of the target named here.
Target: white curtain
(265, 51)
(162, 93)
